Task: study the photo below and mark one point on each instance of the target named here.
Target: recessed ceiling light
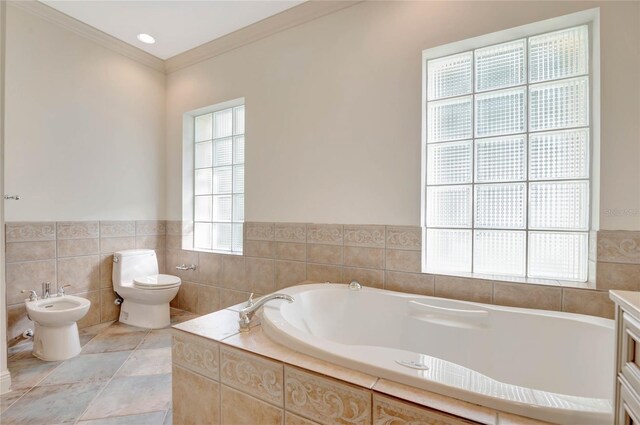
(146, 38)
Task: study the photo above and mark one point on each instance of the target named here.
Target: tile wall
(79, 253)
(618, 256)
(277, 255)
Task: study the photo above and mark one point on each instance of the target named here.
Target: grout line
(220, 387)
(112, 376)
(15, 401)
(46, 376)
(55, 250)
(32, 261)
(124, 416)
(493, 292)
(100, 291)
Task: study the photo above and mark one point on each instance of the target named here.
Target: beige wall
(84, 127)
(334, 114)
(5, 376)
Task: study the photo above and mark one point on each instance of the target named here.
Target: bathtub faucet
(246, 314)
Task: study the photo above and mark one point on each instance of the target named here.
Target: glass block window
(507, 158)
(218, 210)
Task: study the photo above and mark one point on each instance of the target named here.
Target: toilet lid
(157, 281)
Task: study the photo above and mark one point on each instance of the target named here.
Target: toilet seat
(156, 281)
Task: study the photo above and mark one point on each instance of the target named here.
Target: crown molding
(289, 18)
(52, 15)
(305, 12)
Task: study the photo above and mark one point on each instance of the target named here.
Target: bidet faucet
(61, 290)
(46, 287)
(246, 314)
(33, 295)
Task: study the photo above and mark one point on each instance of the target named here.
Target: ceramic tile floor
(122, 377)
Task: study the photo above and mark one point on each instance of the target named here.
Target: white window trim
(590, 17)
(188, 168)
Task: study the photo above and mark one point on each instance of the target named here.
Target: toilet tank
(132, 263)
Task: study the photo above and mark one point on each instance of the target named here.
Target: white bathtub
(556, 367)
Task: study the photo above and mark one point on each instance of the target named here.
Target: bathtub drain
(412, 364)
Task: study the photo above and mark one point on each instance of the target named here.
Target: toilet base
(146, 316)
(56, 343)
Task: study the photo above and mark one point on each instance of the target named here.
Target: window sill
(213, 251)
(516, 279)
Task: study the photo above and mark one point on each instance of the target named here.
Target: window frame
(188, 176)
(589, 18)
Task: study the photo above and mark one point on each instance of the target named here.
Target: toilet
(146, 294)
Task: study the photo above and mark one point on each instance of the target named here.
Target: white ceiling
(177, 25)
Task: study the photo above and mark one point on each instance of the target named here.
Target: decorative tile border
(150, 227)
(389, 411)
(618, 247)
(364, 236)
(404, 237)
(197, 354)
(173, 227)
(259, 231)
(30, 232)
(307, 394)
(328, 234)
(252, 374)
(117, 228)
(290, 232)
(78, 230)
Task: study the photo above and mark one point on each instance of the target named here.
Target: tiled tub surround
(277, 255)
(221, 376)
(79, 253)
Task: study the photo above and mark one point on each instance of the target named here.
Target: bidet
(56, 331)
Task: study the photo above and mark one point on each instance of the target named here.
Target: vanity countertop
(628, 300)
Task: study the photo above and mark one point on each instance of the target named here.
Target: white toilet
(146, 294)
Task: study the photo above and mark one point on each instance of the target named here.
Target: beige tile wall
(79, 253)
(618, 260)
(277, 255)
